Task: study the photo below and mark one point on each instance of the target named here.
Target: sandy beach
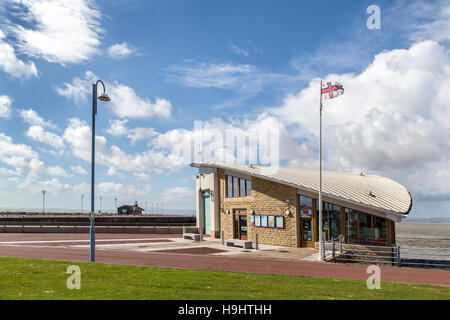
(423, 235)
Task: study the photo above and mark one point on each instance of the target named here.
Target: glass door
(240, 224)
(306, 231)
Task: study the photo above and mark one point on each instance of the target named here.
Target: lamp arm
(104, 90)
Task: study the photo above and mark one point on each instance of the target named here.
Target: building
(131, 210)
(281, 206)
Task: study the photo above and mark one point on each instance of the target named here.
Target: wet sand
(423, 235)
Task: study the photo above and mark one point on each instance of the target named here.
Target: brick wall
(268, 198)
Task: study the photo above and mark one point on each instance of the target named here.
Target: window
(238, 187)
(379, 231)
(305, 202)
(351, 228)
(229, 186)
(248, 188)
(335, 220)
(235, 187)
(241, 188)
(365, 228)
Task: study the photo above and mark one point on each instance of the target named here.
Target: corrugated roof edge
(225, 167)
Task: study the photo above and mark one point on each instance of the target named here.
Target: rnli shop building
(281, 205)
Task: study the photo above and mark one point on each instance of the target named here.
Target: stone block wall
(268, 198)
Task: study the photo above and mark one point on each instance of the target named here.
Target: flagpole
(320, 178)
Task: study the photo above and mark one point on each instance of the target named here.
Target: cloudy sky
(246, 65)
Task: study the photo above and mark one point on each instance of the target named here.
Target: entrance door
(207, 212)
(306, 225)
(240, 224)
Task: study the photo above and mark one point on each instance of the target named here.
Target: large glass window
(335, 220)
(351, 227)
(365, 228)
(379, 231)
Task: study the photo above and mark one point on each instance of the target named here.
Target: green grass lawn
(42, 279)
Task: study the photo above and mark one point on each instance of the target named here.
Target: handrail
(404, 256)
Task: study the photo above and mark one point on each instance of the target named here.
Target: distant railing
(337, 251)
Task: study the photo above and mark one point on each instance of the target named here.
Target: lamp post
(105, 98)
(82, 197)
(43, 201)
(101, 204)
(115, 204)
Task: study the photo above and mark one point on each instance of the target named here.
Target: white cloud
(121, 50)
(112, 188)
(179, 196)
(13, 66)
(429, 20)
(78, 136)
(79, 89)
(5, 107)
(244, 79)
(10, 149)
(204, 75)
(117, 127)
(57, 171)
(138, 134)
(31, 117)
(141, 176)
(243, 48)
(78, 169)
(39, 134)
(125, 103)
(57, 31)
(394, 118)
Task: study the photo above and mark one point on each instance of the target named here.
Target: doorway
(207, 212)
(240, 224)
(306, 227)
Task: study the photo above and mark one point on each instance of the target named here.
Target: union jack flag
(332, 90)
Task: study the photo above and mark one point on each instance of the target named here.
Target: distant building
(131, 210)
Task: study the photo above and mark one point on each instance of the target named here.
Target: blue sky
(239, 64)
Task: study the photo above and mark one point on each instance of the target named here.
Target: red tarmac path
(207, 262)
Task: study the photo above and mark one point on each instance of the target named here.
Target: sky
(241, 65)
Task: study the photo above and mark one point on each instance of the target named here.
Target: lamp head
(104, 97)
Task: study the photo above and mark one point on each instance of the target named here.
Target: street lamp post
(82, 197)
(43, 201)
(115, 204)
(103, 97)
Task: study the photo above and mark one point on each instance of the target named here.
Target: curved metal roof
(364, 189)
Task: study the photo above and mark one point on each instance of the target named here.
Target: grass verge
(44, 279)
